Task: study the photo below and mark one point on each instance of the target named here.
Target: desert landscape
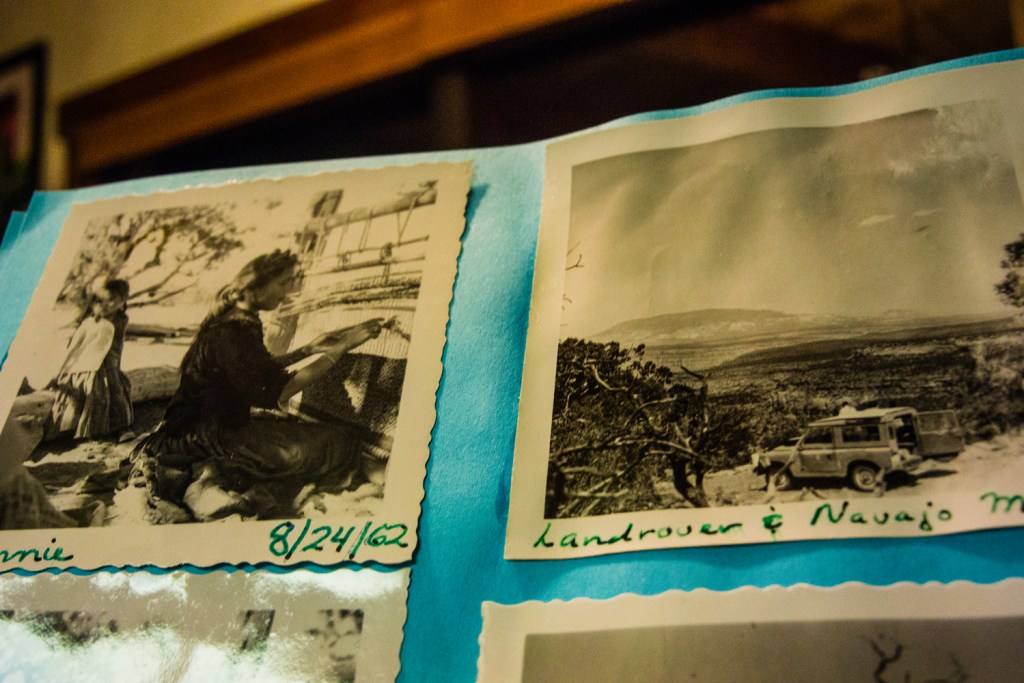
(754, 379)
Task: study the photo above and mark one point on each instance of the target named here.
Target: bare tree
(884, 658)
(578, 263)
(887, 659)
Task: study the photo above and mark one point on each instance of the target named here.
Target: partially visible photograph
(257, 351)
(905, 632)
(338, 626)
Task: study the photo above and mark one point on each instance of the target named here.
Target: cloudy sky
(909, 212)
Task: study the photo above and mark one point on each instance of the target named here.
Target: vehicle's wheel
(782, 477)
(863, 476)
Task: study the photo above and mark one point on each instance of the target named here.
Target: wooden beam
(319, 51)
(772, 53)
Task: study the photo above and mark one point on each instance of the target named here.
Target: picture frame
(22, 83)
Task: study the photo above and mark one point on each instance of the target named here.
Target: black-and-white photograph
(821, 312)
(805, 311)
(342, 626)
(777, 634)
(257, 351)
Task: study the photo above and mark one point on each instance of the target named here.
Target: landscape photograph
(949, 632)
(792, 314)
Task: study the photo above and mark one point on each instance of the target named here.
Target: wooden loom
(357, 265)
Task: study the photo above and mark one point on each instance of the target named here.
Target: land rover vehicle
(863, 445)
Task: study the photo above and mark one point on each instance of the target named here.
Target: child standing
(93, 394)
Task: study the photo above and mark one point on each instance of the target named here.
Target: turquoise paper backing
(459, 562)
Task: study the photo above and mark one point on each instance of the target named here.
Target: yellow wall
(94, 42)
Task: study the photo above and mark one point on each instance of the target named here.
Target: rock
(149, 384)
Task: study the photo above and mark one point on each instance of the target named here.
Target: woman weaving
(209, 454)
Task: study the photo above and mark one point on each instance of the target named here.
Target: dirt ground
(982, 466)
(87, 480)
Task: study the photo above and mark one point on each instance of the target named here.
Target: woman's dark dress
(208, 426)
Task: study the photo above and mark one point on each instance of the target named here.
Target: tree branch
(691, 373)
(637, 401)
(620, 442)
(158, 299)
(884, 660)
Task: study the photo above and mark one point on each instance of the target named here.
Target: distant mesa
(900, 314)
(718, 325)
(709, 323)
